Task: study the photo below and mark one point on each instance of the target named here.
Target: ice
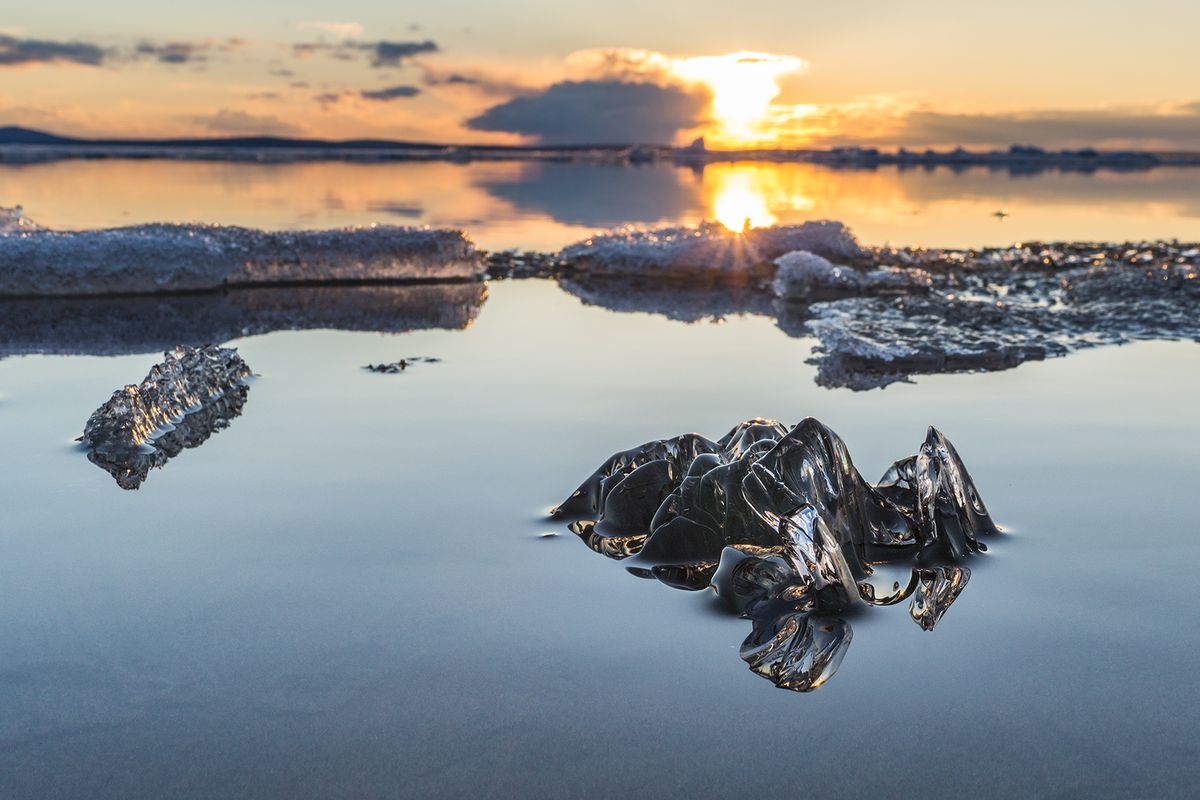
(803, 276)
(883, 314)
(144, 259)
(780, 523)
(709, 251)
(191, 394)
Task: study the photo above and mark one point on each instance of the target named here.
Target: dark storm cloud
(380, 54)
(598, 112)
(390, 93)
(18, 52)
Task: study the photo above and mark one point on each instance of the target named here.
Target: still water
(347, 593)
(544, 206)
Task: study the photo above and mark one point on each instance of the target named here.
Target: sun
(743, 84)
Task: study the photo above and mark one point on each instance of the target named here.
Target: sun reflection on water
(741, 196)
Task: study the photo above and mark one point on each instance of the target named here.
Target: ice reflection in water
(783, 527)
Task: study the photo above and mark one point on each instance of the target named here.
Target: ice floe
(142, 259)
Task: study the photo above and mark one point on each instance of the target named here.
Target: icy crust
(146, 324)
(1004, 308)
(708, 251)
(782, 525)
(174, 258)
(884, 314)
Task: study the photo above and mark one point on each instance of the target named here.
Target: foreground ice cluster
(191, 394)
(782, 525)
(882, 314)
(170, 258)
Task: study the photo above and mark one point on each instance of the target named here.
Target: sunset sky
(775, 72)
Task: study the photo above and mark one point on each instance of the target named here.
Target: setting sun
(743, 84)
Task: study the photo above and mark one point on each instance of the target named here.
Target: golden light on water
(741, 195)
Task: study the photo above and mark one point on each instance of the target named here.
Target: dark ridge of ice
(782, 525)
(191, 394)
(147, 259)
(147, 324)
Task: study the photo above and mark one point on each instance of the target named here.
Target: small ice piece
(145, 259)
(797, 651)
(186, 379)
(804, 276)
(937, 588)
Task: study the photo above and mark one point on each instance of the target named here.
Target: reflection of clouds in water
(600, 195)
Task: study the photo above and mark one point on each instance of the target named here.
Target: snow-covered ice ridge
(142, 259)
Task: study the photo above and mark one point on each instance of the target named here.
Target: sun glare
(743, 85)
(738, 204)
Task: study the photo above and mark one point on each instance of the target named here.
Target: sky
(769, 73)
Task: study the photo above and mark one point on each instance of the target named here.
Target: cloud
(183, 52)
(241, 123)
(327, 99)
(172, 52)
(390, 93)
(484, 82)
(381, 54)
(389, 54)
(598, 112)
(20, 52)
(336, 28)
(1104, 127)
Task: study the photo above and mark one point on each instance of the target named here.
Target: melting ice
(782, 525)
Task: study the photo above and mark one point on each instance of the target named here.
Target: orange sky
(928, 73)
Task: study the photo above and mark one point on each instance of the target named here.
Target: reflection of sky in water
(547, 205)
(347, 582)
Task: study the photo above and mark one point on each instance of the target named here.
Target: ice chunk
(192, 393)
(143, 259)
(936, 590)
(787, 531)
(709, 251)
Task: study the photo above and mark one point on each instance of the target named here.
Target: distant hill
(17, 135)
(14, 135)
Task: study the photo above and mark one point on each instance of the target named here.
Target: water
(346, 592)
(543, 206)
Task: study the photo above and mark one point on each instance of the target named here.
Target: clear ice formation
(193, 393)
(153, 323)
(782, 525)
(145, 259)
(881, 315)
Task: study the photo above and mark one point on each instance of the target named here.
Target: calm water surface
(547, 205)
(345, 594)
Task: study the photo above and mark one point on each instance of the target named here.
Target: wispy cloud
(379, 54)
(335, 28)
(21, 52)
(390, 93)
(242, 123)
